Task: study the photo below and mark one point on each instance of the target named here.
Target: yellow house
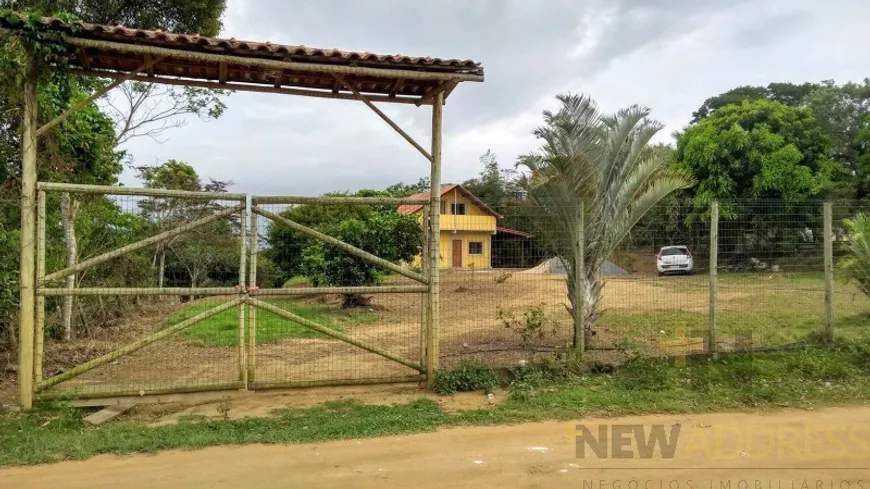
(467, 228)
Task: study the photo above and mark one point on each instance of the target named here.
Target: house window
(475, 247)
(457, 209)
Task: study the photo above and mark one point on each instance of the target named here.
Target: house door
(457, 253)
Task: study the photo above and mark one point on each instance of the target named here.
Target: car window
(673, 251)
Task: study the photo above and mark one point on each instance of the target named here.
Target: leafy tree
(494, 185)
(758, 149)
(380, 230)
(602, 162)
(402, 189)
(187, 16)
(205, 252)
(784, 93)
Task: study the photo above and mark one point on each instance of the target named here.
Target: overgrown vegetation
(809, 378)
(470, 376)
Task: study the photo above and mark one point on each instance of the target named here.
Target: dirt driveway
(826, 449)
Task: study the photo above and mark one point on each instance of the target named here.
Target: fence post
(243, 256)
(40, 299)
(829, 270)
(424, 265)
(252, 311)
(432, 328)
(714, 275)
(579, 283)
(27, 272)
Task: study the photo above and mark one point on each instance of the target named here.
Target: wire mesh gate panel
(304, 334)
(169, 265)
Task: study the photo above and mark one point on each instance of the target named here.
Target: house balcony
(467, 223)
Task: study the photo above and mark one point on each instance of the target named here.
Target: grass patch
(807, 378)
(222, 330)
(775, 309)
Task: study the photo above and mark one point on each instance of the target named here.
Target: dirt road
(827, 449)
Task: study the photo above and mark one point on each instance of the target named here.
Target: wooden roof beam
(300, 67)
(432, 92)
(239, 87)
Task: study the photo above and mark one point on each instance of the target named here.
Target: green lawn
(804, 379)
(222, 330)
(775, 311)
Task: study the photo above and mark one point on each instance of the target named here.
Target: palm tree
(856, 264)
(605, 163)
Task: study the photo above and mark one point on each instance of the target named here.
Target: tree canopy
(757, 149)
(380, 230)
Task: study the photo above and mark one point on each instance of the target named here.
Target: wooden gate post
(252, 311)
(829, 270)
(714, 275)
(243, 255)
(40, 298)
(424, 303)
(27, 276)
(434, 316)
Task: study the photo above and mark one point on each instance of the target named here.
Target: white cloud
(666, 54)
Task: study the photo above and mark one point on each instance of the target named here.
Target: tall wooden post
(433, 326)
(829, 270)
(27, 275)
(424, 303)
(579, 283)
(40, 273)
(243, 256)
(714, 275)
(252, 311)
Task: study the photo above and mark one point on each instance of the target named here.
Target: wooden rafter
(385, 117)
(430, 94)
(400, 82)
(222, 73)
(279, 79)
(83, 56)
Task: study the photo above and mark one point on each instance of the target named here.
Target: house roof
(514, 232)
(412, 208)
(104, 50)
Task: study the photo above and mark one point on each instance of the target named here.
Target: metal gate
(260, 337)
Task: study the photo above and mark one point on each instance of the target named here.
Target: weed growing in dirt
(534, 327)
(470, 376)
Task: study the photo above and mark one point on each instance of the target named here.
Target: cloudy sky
(666, 54)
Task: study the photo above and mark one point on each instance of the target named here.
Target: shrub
(470, 376)
(534, 327)
(855, 266)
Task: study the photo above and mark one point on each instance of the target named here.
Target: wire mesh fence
(278, 318)
(119, 319)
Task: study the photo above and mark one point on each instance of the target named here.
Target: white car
(675, 259)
